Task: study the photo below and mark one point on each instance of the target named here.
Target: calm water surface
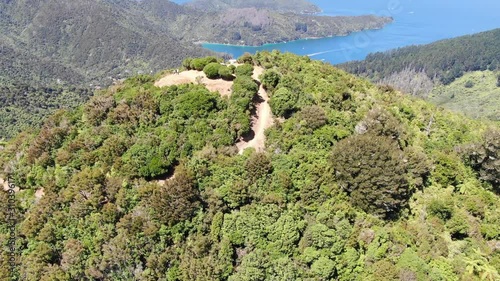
(415, 22)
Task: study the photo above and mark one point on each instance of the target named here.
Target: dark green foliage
(441, 208)
(186, 63)
(300, 26)
(469, 84)
(270, 79)
(283, 101)
(211, 70)
(195, 104)
(23, 106)
(498, 81)
(485, 157)
(226, 73)
(244, 70)
(149, 156)
(258, 165)
(146, 183)
(200, 63)
(371, 170)
(176, 200)
(244, 90)
(314, 116)
(246, 58)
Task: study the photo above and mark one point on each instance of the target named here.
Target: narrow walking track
(261, 121)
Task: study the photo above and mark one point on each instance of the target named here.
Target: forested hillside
(92, 41)
(294, 6)
(425, 70)
(357, 182)
(23, 107)
(443, 61)
(51, 44)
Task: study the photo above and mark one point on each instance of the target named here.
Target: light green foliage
(226, 73)
(324, 268)
(410, 264)
(200, 63)
(479, 101)
(270, 79)
(244, 70)
(211, 70)
(283, 101)
(358, 183)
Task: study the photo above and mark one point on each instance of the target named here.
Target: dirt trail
(262, 120)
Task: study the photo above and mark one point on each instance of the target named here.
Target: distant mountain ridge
(295, 6)
(96, 40)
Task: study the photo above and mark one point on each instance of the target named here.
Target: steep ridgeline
(355, 182)
(294, 6)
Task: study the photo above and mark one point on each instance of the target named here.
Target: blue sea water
(415, 22)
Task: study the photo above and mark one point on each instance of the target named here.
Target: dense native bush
(358, 183)
(211, 70)
(283, 101)
(244, 70)
(226, 73)
(372, 171)
(270, 79)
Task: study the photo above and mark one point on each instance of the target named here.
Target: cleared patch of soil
(190, 76)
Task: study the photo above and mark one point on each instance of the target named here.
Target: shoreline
(201, 43)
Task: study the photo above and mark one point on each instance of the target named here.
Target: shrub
(186, 63)
(270, 79)
(314, 116)
(246, 58)
(200, 63)
(212, 70)
(245, 85)
(244, 70)
(372, 170)
(469, 84)
(484, 157)
(176, 200)
(226, 73)
(283, 102)
(442, 209)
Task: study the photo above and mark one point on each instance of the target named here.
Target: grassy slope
(482, 100)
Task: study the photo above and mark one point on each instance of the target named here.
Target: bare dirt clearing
(261, 119)
(191, 76)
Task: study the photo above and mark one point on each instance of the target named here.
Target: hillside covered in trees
(357, 182)
(294, 6)
(420, 70)
(95, 41)
(444, 61)
(59, 44)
